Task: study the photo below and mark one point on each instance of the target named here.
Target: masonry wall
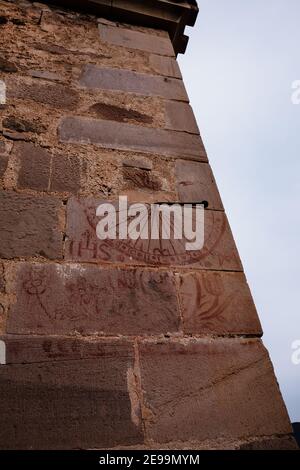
(116, 344)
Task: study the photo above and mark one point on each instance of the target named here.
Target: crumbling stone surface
(116, 344)
(67, 394)
(86, 299)
(195, 388)
(29, 226)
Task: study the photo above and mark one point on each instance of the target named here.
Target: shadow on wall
(296, 428)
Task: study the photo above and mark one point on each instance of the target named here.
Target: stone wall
(115, 345)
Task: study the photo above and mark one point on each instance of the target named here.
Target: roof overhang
(170, 15)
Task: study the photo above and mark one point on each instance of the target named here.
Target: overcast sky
(242, 59)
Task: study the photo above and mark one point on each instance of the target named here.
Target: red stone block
(132, 82)
(124, 136)
(65, 175)
(62, 393)
(133, 39)
(180, 117)
(219, 251)
(54, 95)
(167, 66)
(204, 389)
(34, 164)
(64, 299)
(195, 182)
(217, 303)
(29, 226)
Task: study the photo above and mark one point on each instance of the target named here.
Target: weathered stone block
(119, 113)
(54, 95)
(29, 226)
(135, 39)
(140, 178)
(180, 117)
(63, 393)
(219, 251)
(64, 299)
(207, 389)
(217, 303)
(35, 162)
(195, 182)
(65, 176)
(123, 136)
(132, 82)
(167, 66)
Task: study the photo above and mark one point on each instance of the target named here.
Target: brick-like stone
(56, 299)
(132, 82)
(19, 124)
(119, 113)
(217, 303)
(180, 117)
(124, 136)
(133, 39)
(34, 162)
(142, 163)
(29, 226)
(54, 95)
(195, 182)
(167, 66)
(65, 175)
(62, 393)
(207, 389)
(45, 75)
(140, 178)
(219, 251)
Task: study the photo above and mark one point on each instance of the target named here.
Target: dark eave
(171, 16)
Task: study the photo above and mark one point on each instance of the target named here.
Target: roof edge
(170, 15)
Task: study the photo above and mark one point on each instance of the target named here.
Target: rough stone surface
(180, 117)
(55, 299)
(65, 175)
(125, 136)
(135, 39)
(35, 163)
(29, 226)
(277, 443)
(206, 389)
(18, 124)
(67, 394)
(165, 66)
(54, 95)
(195, 183)
(3, 164)
(217, 303)
(140, 178)
(118, 113)
(219, 251)
(7, 66)
(132, 82)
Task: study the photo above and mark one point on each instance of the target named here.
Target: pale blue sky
(238, 69)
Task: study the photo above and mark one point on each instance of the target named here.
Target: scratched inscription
(219, 251)
(72, 298)
(217, 302)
